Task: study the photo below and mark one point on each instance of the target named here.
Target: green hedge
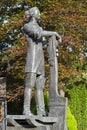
(78, 104)
(71, 121)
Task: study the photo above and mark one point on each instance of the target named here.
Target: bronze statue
(35, 74)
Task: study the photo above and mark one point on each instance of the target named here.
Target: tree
(68, 18)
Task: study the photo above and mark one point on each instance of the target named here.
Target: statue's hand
(58, 37)
(60, 40)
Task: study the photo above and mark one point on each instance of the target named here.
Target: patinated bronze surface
(35, 74)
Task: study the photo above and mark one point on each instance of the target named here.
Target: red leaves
(66, 39)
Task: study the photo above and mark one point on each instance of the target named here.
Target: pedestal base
(55, 121)
(24, 122)
(22, 128)
(58, 109)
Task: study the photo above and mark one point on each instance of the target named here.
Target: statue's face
(33, 12)
(37, 14)
(27, 15)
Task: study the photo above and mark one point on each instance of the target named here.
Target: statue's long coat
(35, 57)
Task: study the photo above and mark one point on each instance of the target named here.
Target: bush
(78, 104)
(71, 122)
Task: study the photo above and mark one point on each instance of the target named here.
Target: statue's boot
(27, 101)
(39, 97)
(40, 102)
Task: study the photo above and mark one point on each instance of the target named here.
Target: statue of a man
(35, 75)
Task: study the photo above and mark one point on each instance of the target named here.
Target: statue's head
(33, 12)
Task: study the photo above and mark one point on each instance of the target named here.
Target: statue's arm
(48, 33)
(51, 33)
(38, 33)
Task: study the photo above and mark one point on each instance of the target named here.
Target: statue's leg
(39, 97)
(29, 84)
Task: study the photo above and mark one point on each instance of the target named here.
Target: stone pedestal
(24, 122)
(55, 121)
(22, 128)
(58, 108)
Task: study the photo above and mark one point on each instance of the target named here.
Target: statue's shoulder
(27, 25)
(31, 27)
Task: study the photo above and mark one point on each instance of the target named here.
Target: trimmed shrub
(78, 104)
(71, 121)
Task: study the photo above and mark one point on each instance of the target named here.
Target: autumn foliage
(68, 18)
